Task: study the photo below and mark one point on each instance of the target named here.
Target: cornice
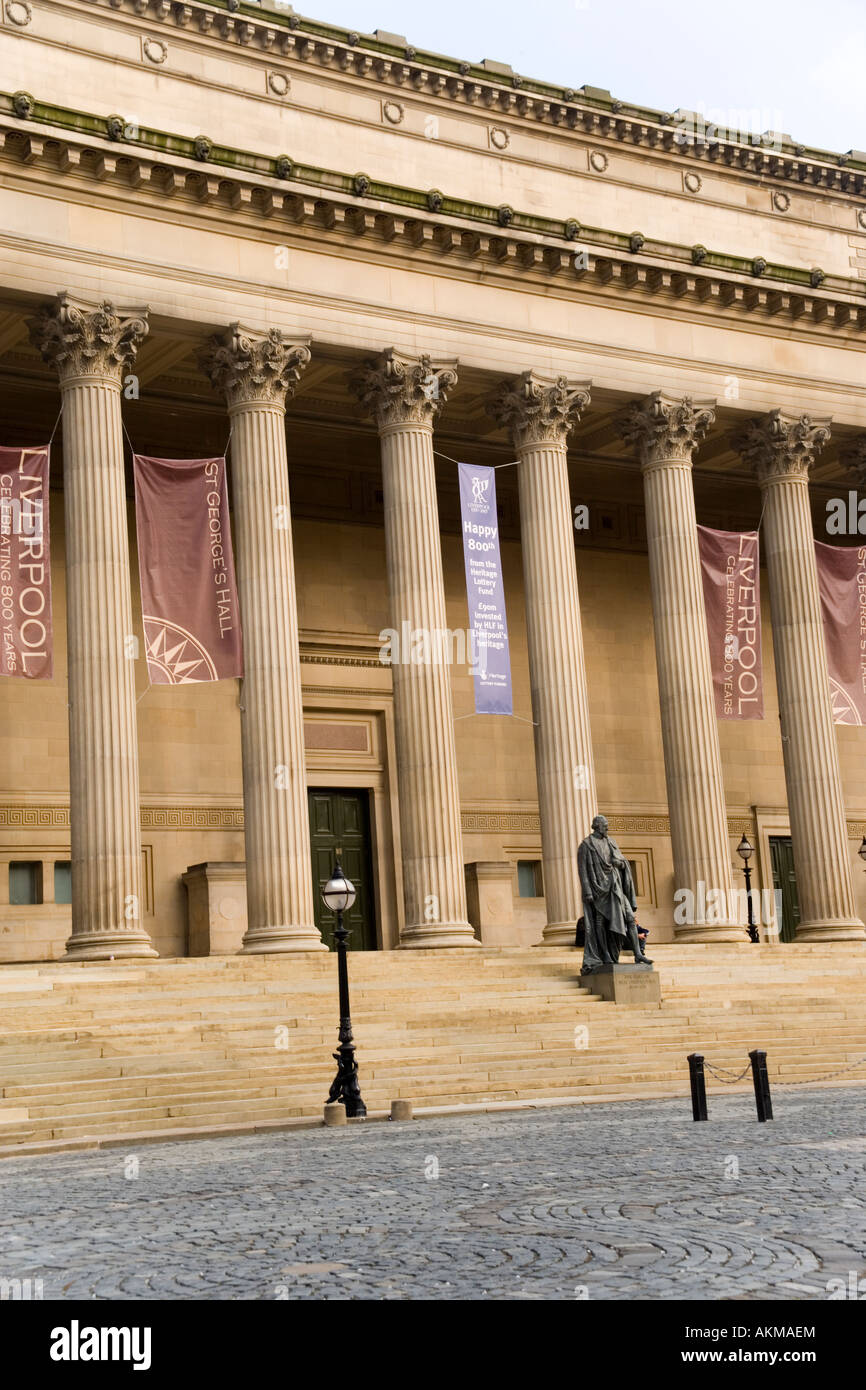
(590, 111)
(347, 208)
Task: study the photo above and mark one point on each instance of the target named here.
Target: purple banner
(26, 631)
(189, 598)
(731, 572)
(485, 592)
(842, 587)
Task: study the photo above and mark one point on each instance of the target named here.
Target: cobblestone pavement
(632, 1200)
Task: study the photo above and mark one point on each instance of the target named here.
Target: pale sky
(799, 66)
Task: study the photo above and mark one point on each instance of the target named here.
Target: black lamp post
(745, 851)
(862, 850)
(338, 895)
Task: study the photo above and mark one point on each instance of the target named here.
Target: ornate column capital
(539, 409)
(853, 458)
(82, 338)
(248, 366)
(779, 445)
(400, 388)
(665, 428)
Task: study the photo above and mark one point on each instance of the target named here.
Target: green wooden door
(784, 878)
(341, 820)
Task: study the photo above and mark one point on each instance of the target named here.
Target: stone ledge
(382, 57)
(318, 201)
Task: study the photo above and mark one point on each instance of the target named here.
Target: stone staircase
(97, 1054)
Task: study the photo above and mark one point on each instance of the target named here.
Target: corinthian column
(91, 346)
(539, 413)
(404, 393)
(666, 430)
(256, 373)
(781, 448)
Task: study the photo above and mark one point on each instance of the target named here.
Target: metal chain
(731, 1080)
(727, 1080)
(813, 1080)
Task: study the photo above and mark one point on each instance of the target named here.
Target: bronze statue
(608, 901)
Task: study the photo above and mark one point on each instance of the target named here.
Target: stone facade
(355, 331)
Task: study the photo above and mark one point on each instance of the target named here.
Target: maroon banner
(730, 570)
(189, 598)
(842, 587)
(26, 629)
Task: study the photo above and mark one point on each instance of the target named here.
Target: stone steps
(460, 1013)
(90, 1053)
(446, 1069)
(215, 1037)
(106, 1058)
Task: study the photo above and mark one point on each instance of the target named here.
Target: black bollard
(763, 1103)
(699, 1086)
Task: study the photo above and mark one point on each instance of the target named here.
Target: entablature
(427, 226)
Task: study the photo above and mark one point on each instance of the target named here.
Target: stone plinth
(490, 903)
(625, 984)
(217, 898)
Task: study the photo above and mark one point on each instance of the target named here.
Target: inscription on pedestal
(625, 984)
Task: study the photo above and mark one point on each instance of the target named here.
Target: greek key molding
(192, 818)
(34, 817)
(478, 822)
(475, 820)
(639, 825)
(56, 817)
(739, 825)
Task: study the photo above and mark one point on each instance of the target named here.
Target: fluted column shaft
(403, 393)
(256, 372)
(90, 346)
(782, 449)
(666, 431)
(539, 413)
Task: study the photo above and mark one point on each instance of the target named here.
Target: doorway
(341, 820)
(784, 879)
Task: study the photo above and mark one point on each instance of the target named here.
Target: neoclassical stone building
(353, 264)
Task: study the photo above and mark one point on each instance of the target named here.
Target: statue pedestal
(626, 984)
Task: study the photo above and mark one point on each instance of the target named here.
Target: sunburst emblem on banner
(844, 709)
(178, 655)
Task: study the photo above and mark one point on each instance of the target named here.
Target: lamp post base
(345, 1086)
